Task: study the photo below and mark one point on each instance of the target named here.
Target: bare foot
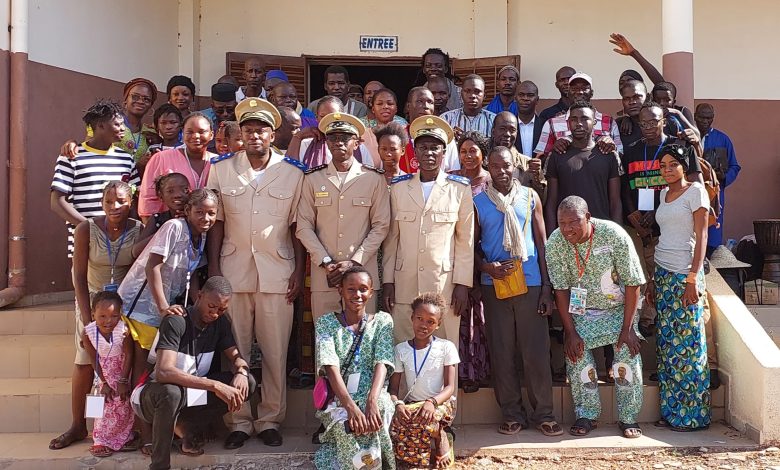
(443, 459)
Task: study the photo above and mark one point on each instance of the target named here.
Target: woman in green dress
(357, 420)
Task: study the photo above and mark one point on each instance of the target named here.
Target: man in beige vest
(343, 215)
(254, 247)
(430, 247)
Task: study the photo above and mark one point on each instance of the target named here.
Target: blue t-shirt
(491, 222)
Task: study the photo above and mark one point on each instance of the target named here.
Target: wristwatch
(242, 371)
(326, 261)
(399, 402)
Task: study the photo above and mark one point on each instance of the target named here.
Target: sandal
(146, 449)
(65, 439)
(101, 452)
(550, 428)
(195, 451)
(630, 431)
(582, 427)
(510, 428)
(681, 429)
(450, 453)
(133, 442)
(661, 423)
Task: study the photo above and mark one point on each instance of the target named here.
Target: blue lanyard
(414, 353)
(644, 166)
(113, 259)
(356, 359)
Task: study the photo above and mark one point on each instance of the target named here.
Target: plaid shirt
(604, 125)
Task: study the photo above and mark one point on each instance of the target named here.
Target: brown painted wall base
(58, 98)
(5, 97)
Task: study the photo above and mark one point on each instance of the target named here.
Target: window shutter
(485, 67)
(294, 67)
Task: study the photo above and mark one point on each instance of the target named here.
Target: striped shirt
(482, 122)
(83, 178)
(558, 127)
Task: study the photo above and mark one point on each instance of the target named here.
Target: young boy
(76, 195)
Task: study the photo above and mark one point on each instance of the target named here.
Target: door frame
(351, 61)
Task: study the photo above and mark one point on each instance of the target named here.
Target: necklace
(195, 175)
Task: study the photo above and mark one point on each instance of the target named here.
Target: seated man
(187, 378)
(596, 274)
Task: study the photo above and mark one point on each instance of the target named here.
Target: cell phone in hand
(347, 428)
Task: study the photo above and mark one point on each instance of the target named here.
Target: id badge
(646, 199)
(578, 301)
(95, 406)
(196, 397)
(353, 381)
(111, 287)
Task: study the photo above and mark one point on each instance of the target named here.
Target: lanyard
(581, 268)
(112, 259)
(192, 264)
(414, 351)
(194, 339)
(356, 359)
(644, 166)
(97, 349)
(195, 176)
(136, 140)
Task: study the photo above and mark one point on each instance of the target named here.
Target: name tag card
(646, 199)
(196, 397)
(95, 406)
(578, 301)
(353, 381)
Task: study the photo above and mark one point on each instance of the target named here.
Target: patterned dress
(114, 429)
(340, 450)
(613, 264)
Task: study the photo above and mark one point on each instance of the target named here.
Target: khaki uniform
(430, 247)
(258, 259)
(345, 222)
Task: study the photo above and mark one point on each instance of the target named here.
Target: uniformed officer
(254, 247)
(430, 247)
(343, 215)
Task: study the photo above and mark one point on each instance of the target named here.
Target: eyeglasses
(649, 124)
(143, 99)
(342, 138)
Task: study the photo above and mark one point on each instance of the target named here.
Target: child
(429, 366)
(173, 189)
(228, 138)
(167, 122)
(111, 350)
(163, 272)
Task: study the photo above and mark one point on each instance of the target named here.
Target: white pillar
(189, 42)
(677, 31)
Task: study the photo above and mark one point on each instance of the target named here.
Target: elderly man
(472, 116)
(343, 215)
(187, 381)
(509, 233)
(253, 244)
(430, 247)
(526, 169)
(285, 94)
(596, 274)
(336, 80)
(508, 79)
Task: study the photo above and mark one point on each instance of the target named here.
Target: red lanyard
(581, 268)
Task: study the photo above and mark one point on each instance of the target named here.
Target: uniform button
(341, 216)
(340, 253)
(422, 269)
(341, 197)
(362, 203)
(233, 191)
(422, 251)
(254, 232)
(255, 212)
(423, 232)
(341, 235)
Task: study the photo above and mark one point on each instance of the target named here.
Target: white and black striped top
(83, 178)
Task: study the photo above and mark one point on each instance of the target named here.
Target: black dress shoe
(236, 439)
(714, 379)
(271, 437)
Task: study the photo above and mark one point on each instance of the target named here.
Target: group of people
(439, 247)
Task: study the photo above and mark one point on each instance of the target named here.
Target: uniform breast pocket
(230, 198)
(361, 202)
(445, 217)
(405, 216)
(323, 202)
(281, 201)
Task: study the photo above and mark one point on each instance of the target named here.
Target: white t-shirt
(431, 379)
(674, 251)
(427, 187)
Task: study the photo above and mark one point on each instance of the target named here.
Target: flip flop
(582, 427)
(146, 449)
(510, 428)
(550, 428)
(101, 452)
(64, 440)
(625, 427)
(179, 443)
(133, 443)
(450, 453)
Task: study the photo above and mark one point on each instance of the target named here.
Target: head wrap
(223, 92)
(633, 74)
(510, 67)
(277, 74)
(677, 150)
(180, 80)
(140, 81)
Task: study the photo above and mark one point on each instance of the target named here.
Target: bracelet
(399, 402)
(691, 278)
(433, 402)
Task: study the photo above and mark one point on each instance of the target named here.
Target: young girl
(163, 273)
(429, 366)
(111, 350)
(228, 138)
(173, 189)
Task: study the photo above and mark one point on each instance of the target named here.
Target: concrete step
(47, 319)
(29, 451)
(43, 405)
(36, 356)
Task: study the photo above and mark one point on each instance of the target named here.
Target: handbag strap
(135, 300)
(354, 347)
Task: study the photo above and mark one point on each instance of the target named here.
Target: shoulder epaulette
(459, 179)
(219, 158)
(316, 168)
(381, 171)
(398, 179)
(296, 163)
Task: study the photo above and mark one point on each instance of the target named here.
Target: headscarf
(180, 80)
(139, 81)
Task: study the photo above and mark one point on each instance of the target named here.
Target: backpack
(712, 185)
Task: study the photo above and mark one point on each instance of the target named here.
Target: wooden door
(485, 67)
(294, 67)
